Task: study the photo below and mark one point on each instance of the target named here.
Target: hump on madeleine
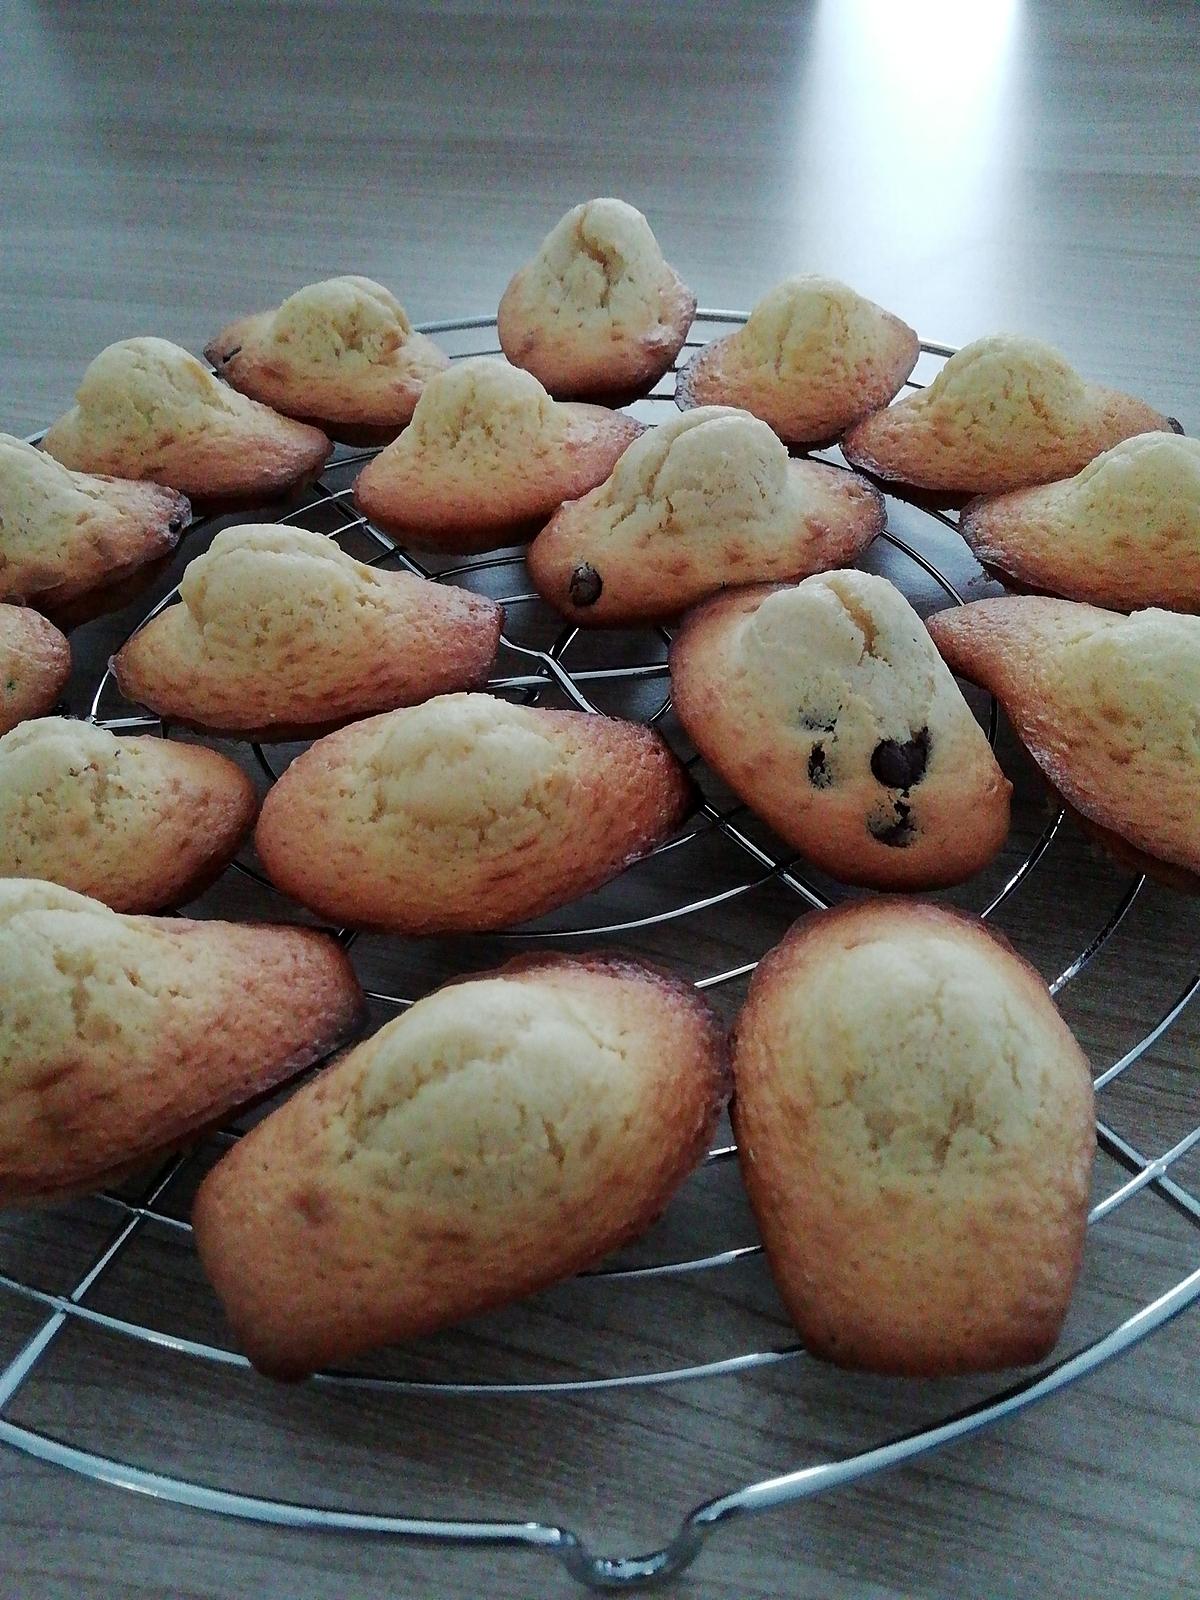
(341, 351)
(1123, 533)
(35, 663)
(505, 1132)
(65, 533)
(1106, 705)
(280, 631)
(1003, 413)
(467, 813)
(813, 357)
(915, 1129)
(121, 1036)
(147, 409)
(827, 709)
(597, 311)
(139, 823)
(487, 458)
(706, 500)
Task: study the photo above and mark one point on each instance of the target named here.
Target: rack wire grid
(713, 899)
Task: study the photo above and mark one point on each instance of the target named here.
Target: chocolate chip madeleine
(707, 500)
(827, 711)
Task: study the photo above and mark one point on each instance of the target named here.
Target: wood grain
(975, 167)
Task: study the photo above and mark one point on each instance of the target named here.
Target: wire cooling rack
(713, 899)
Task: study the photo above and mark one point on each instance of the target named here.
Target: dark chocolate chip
(900, 766)
(1174, 424)
(898, 830)
(816, 724)
(819, 774)
(585, 586)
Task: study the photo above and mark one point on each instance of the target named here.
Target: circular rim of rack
(547, 667)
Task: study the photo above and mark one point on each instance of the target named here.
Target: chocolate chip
(898, 830)
(817, 724)
(819, 773)
(585, 586)
(1174, 424)
(900, 766)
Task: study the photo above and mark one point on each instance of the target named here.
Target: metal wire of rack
(541, 660)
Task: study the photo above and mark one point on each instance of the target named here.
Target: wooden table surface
(982, 166)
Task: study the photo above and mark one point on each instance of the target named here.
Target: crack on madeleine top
(1133, 689)
(1142, 494)
(477, 415)
(600, 266)
(706, 474)
(338, 324)
(810, 327)
(72, 791)
(46, 511)
(143, 394)
(463, 771)
(481, 1094)
(75, 973)
(922, 1061)
(999, 388)
(270, 587)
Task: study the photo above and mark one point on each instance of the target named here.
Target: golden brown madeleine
(147, 409)
(467, 813)
(281, 634)
(1106, 705)
(707, 500)
(1003, 413)
(915, 1129)
(487, 459)
(506, 1132)
(827, 711)
(597, 312)
(65, 533)
(1124, 532)
(140, 823)
(812, 358)
(122, 1036)
(35, 663)
(341, 354)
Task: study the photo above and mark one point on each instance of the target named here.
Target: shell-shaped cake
(505, 1132)
(826, 709)
(280, 634)
(915, 1129)
(121, 1037)
(597, 312)
(1106, 705)
(147, 409)
(487, 459)
(63, 533)
(142, 824)
(1003, 413)
(341, 354)
(706, 501)
(813, 357)
(1123, 533)
(35, 663)
(467, 813)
